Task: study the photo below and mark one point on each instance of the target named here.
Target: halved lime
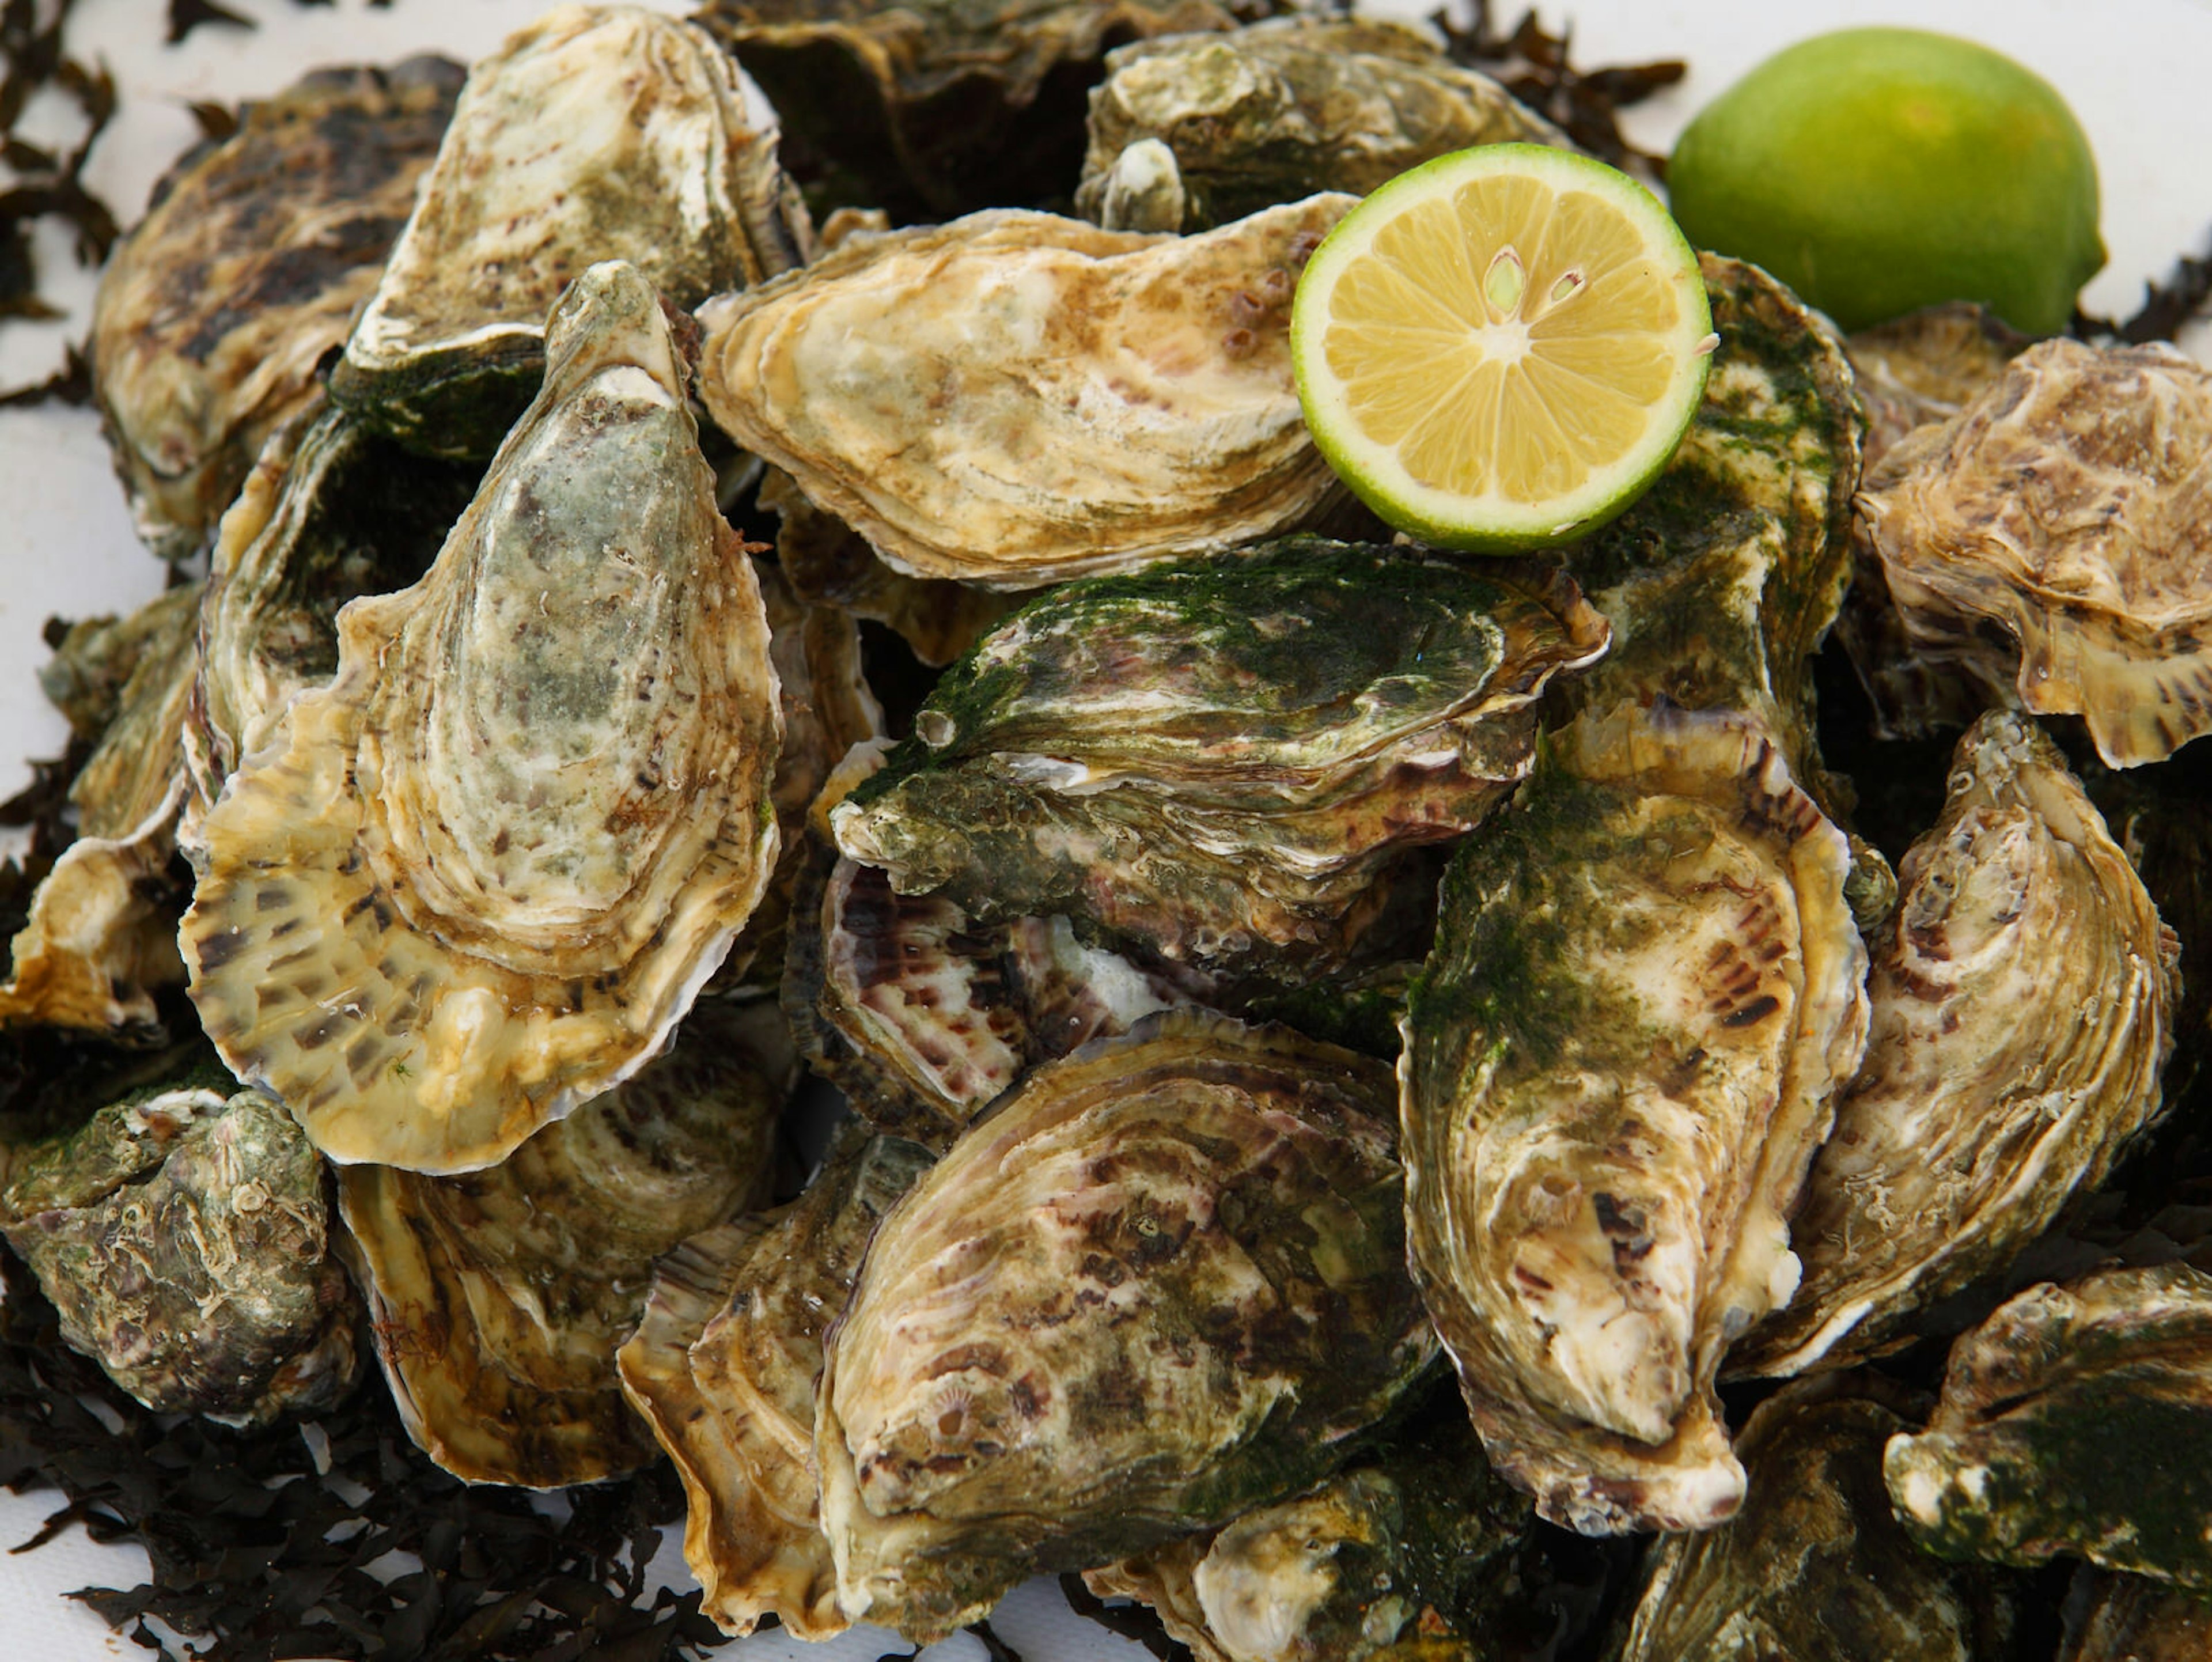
(1500, 348)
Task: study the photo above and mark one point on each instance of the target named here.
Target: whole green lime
(1879, 170)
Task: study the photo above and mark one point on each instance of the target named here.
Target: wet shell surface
(477, 879)
(1014, 398)
(1645, 994)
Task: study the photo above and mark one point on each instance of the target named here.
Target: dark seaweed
(1139, 1623)
(186, 15)
(2167, 308)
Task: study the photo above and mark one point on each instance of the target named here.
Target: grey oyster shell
(1814, 1567)
(183, 1236)
(1277, 110)
(598, 132)
(1163, 1283)
(1927, 367)
(2073, 1420)
(2022, 1009)
(500, 1298)
(2132, 1618)
(2050, 543)
(1219, 760)
(214, 313)
(1014, 398)
(476, 879)
(724, 1367)
(1645, 994)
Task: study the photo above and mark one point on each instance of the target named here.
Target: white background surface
(2131, 68)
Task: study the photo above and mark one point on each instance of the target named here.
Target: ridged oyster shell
(1645, 994)
(2022, 1002)
(1163, 1283)
(2134, 1619)
(1014, 398)
(476, 879)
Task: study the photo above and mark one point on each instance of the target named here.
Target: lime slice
(1500, 348)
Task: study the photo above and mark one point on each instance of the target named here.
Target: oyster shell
(1220, 760)
(183, 1236)
(1814, 1567)
(1160, 1285)
(598, 132)
(724, 1367)
(2072, 1421)
(2134, 1619)
(476, 879)
(1646, 993)
(214, 313)
(2050, 543)
(1927, 367)
(1277, 110)
(2022, 1008)
(500, 1298)
(1014, 398)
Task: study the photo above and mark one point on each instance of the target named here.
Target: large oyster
(183, 1235)
(1280, 109)
(2022, 1004)
(598, 133)
(1220, 759)
(476, 879)
(1163, 1283)
(2073, 1420)
(1645, 994)
(214, 314)
(1014, 399)
(2051, 542)
(499, 1297)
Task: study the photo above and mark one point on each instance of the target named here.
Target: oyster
(1277, 110)
(1646, 993)
(1927, 367)
(476, 879)
(2073, 1420)
(933, 107)
(2050, 543)
(1161, 1284)
(1014, 398)
(2022, 1008)
(598, 133)
(1814, 1567)
(183, 1236)
(1221, 760)
(500, 1298)
(215, 312)
(724, 1367)
(2134, 1619)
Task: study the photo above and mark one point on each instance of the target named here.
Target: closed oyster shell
(2051, 542)
(183, 1236)
(476, 879)
(1645, 994)
(500, 1298)
(2022, 1005)
(1277, 110)
(214, 313)
(2133, 1618)
(1163, 1283)
(1014, 398)
(598, 132)
(1927, 367)
(2073, 1421)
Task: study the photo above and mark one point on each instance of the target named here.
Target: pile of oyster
(1347, 1047)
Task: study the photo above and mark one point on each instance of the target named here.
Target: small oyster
(214, 313)
(2134, 1619)
(933, 107)
(2072, 1421)
(1014, 398)
(1279, 109)
(598, 133)
(1219, 760)
(183, 1236)
(2022, 1008)
(1161, 1284)
(724, 1367)
(1814, 1567)
(500, 1298)
(1645, 994)
(1927, 367)
(476, 879)
(2051, 542)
